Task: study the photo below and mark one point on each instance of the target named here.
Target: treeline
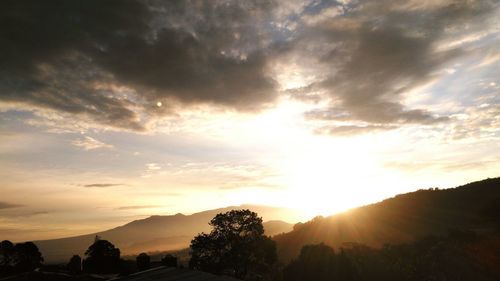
(237, 247)
(20, 257)
(101, 257)
(462, 255)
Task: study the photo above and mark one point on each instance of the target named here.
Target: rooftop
(163, 273)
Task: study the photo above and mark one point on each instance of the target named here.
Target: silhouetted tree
(320, 263)
(433, 258)
(75, 264)
(236, 246)
(26, 257)
(492, 211)
(315, 262)
(102, 257)
(346, 270)
(143, 261)
(6, 253)
(169, 260)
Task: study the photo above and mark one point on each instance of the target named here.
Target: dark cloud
(5, 205)
(386, 113)
(27, 214)
(377, 51)
(72, 56)
(10, 210)
(215, 56)
(110, 62)
(43, 49)
(352, 130)
(102, 185)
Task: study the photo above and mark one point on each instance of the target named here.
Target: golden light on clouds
(179, 107)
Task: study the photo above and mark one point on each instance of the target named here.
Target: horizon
(290, 215)
(114, 111)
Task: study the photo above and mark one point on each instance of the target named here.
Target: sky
(113, 110)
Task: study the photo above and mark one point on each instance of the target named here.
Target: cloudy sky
(114, 110)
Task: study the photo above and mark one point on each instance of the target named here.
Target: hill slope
(401, 219)
(155, 233)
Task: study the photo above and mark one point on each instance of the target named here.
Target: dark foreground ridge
(432, 234)
(402, 219)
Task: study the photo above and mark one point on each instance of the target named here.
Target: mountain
(157, 233)
(403, 218)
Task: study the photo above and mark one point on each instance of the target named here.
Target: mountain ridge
(401, 219)
(155, 233)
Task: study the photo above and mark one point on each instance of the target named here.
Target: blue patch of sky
(469, 85)
(14, 121)
(283, 34)
(316, 7)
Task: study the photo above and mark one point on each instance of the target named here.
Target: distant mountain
(403, 218)
(157, 233)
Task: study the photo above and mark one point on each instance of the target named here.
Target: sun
(323, 178)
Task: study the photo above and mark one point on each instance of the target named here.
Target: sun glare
(313, 173)
(317, 181)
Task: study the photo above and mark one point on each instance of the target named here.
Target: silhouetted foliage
(75, 264)
(320, 263)
(492, 211)
(102, 257)
(26, 257)
(6, 251)
(127, 267)
(143, 261)
(6, 254)
(20, 257)
(461, 255)
(236, 246)
(169, 260)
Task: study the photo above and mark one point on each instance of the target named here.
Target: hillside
(156, 233)
(403, 218)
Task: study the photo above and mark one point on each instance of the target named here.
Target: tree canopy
(26, 256)
(20, 257)
(6, 252)
(236, 246)
(75, 264)
(169, 260)
(320, 263)
(102, 257)
(143, 261)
